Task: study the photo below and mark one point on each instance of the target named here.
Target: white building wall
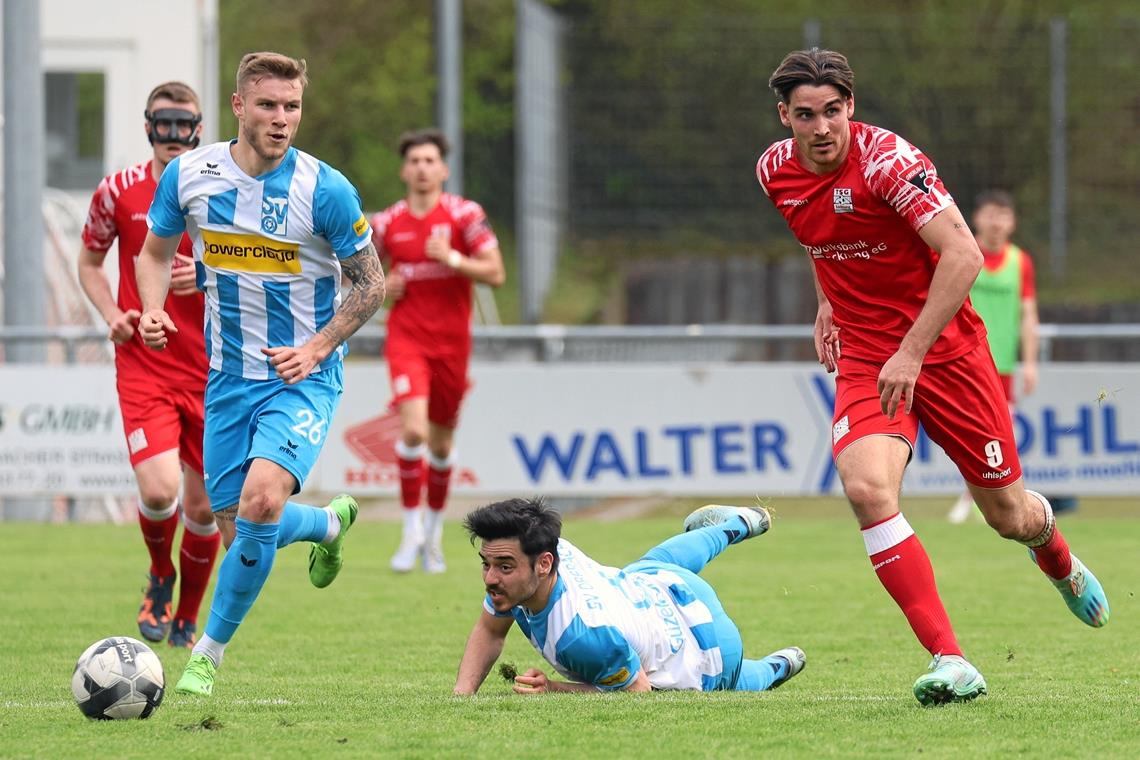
(136, 45)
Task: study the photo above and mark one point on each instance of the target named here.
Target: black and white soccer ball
(118, 678)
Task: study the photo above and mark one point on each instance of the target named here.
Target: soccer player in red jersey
(160, 393)
(436, 245)
(893, 262)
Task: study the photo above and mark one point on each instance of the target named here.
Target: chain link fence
(668, 117)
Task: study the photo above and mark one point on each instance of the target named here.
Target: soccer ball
(117, 678)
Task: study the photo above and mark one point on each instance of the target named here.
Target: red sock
(1054, 558)
(905, 572)
(196, 562)
(438, 484)
(411, 480)
(159, 537)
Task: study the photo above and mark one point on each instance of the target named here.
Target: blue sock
(759, 675)
(240, 577)
(692, 550)
(300, 522)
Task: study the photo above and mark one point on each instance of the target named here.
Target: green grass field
(365, 667)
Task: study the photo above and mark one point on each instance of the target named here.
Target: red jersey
(118, 209)
(435, 312)
(860, 225)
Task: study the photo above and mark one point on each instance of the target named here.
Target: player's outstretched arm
(484, 646)
(152, 275)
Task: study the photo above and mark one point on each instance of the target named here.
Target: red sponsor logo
(374, 444)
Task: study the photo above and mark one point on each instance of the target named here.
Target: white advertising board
(595, 429)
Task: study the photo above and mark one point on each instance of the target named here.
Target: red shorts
(441, 379)
(960, 403)
(158, 419)
(1007, 386)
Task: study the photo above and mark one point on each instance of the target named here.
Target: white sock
(413, 527)
(433, 524)
(199, 529)
(212, 649)
(334, 526)
(158, 515)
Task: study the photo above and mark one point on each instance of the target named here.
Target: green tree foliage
(373, 75)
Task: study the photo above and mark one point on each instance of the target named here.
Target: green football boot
(325, 560)
(198, 678)
(951, 679)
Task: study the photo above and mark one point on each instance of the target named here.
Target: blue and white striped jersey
(602, 624)
(267, 249)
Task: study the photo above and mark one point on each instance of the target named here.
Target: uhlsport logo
(274, 215)
(249, 253)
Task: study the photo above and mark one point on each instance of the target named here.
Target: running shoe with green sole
(325, 560)
(951, 679)
(198, 678)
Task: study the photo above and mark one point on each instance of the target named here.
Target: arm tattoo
(364, 297)
(959, 226)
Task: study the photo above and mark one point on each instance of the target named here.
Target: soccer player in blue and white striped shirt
(273, 230)
(654, 624)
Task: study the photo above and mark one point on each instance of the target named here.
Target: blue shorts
(264, 419)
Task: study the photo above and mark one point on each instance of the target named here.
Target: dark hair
(179, 92)
(994, 198)
(535, 525)
(815, 67)
(429, 136)
(258, 66)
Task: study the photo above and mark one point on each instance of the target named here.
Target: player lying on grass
(653, 624)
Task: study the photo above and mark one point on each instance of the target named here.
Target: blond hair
(257, 66)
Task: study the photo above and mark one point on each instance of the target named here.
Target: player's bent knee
(259, 507)
(157, 496)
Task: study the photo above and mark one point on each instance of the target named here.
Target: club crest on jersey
(916, 175)
(274, 215)
(841, 197)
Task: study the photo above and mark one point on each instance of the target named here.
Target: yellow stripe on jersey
(249, 253)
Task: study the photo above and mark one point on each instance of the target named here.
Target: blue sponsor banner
(732, 429)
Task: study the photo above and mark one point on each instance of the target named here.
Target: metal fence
(668, 116)
(677, 343)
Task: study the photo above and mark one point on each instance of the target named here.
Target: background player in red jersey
(893, 261)
(160, 392)
(436, 244)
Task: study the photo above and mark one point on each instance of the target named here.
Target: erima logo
(210, 170)
(247, 561)
(290, 444)
(290, 450)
